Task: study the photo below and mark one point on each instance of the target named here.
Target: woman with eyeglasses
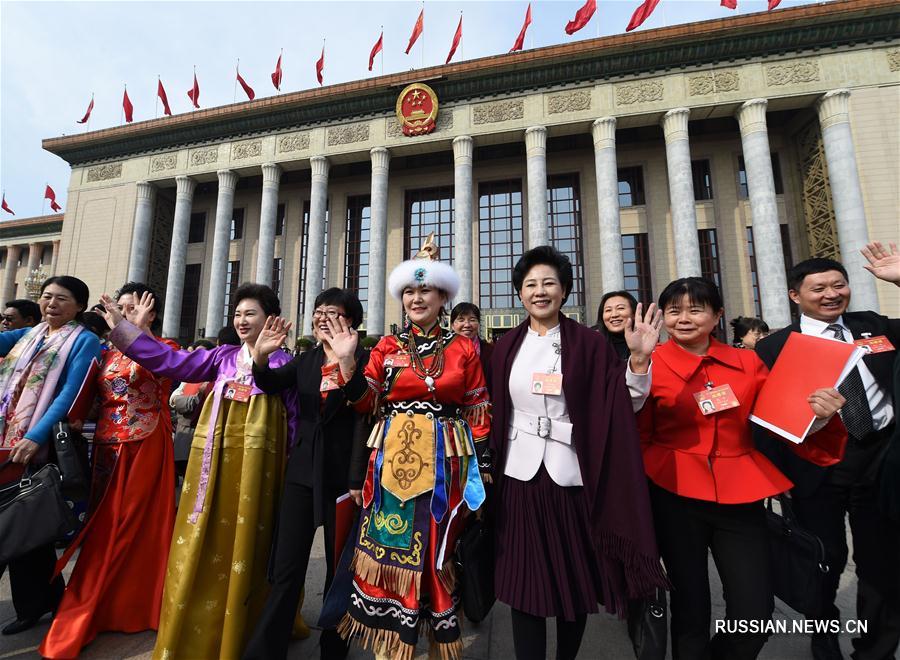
(324, 464)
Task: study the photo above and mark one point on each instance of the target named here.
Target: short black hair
(798, 273)
(228, 336)
(632, 302)
(467, 308)
(262, 294)
(203, 343)
(27, 308)
(138, 289)
(95, 323)
(699, 290)
(73, 285)
(548, 256)
(744, 324)
(342, 298)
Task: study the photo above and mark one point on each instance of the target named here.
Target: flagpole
(156, 107)
(237, 72)
(462, 39)
(281, 77)
(44, 202)
(423, 34)
(88, 124)
(122, 113)
(382, 50)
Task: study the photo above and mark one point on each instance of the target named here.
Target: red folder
(84, 400)
(806, 363)
(345, 509)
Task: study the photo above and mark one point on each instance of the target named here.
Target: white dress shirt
(528, 450)
(879, 401)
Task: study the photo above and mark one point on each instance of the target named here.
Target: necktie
(856, 414)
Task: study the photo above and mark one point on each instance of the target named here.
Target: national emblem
(417, 109)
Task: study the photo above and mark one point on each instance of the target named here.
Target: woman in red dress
(118, 578)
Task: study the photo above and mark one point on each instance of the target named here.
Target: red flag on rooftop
(161, 93)
(376, 49)
(417, 30)
(276, 74)
(457, 36)
(248, 90)
(87, 115)
(582, 16)
(194, 92)
(520, 40)
(641, 14)
(49, 194)
(730, 4)
(127, 107)
(773, 4)
(320, 65)
(5, 206)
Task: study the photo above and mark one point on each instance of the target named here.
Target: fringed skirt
(546, 562)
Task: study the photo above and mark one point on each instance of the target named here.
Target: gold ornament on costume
(429, 249)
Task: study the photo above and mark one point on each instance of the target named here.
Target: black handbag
(799, 567)
(33, 512)
(475, 570)
(71, 451)
(648, 626)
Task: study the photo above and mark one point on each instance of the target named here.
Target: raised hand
(271, 338)
(825, 402)
(111, 312)
(340, 337)
(143, 311)
(642, 334)
(883, 264)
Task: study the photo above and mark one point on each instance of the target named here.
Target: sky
(54, 55)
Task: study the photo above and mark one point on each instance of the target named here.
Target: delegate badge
(397, 360)
(871, 345)
(716, 399)
(235, 391)
(542, 383)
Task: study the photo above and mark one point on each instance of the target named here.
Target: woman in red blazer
(707, 480)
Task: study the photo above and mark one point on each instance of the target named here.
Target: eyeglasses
(332, 314)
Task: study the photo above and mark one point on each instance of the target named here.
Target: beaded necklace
(427, 374)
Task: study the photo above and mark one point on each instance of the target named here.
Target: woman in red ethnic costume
(118, 578)
(427, 389)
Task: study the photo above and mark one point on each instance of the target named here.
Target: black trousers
(33, 593)
(687, 530)
(530, 636)
(296, 530)
(851, 490)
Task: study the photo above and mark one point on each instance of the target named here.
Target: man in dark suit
(823, 497)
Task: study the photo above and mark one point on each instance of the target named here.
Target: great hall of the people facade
(728, 148)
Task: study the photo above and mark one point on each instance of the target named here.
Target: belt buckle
(543, 427)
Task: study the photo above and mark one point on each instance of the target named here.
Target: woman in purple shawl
(216, 575)
(572, 513)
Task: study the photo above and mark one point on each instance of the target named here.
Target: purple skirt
(546, 562)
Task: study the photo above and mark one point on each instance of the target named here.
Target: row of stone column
(13, 255)
(751, 118)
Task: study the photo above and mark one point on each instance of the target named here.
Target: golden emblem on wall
(417, 109)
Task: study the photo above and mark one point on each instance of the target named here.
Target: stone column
(846, 193)
(612, 275)
(772, 279)
(381, 159)
(34, 256)
(54, 262)
(141, 235)
(462, 205)
(215, 306)
(315, 251)
(536, 161)
(681, 193)
(184, 200)
(268, 213)
(13, 252)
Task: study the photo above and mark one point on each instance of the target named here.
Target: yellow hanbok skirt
(216, 576)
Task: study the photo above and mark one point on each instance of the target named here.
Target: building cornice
(44, 224)
(810, 27)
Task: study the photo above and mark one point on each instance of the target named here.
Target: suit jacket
(329, 452)
(806, 476)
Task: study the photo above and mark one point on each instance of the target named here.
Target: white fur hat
(423, 272)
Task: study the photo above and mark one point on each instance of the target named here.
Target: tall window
(190, 301)
(631, 186)
(430, 210)
(237, 224)
(636, 262)
(277, 275)
(356, 265)
(232, 281)
(710, 267)
(744, 191)
(702, 180)
(754, 278)
(301, 294)
(197, 228)
(279, 220)
(564, 216)
(500, 240)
